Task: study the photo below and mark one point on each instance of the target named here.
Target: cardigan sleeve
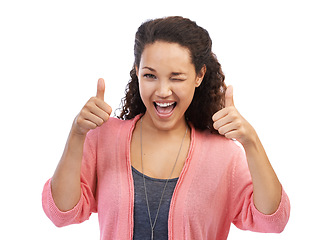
(87, 202)
(245, 215)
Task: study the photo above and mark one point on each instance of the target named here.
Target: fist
(231, 124)
(95, 112)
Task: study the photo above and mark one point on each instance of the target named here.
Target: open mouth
(165, 108)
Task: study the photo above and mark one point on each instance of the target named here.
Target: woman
(169, 167)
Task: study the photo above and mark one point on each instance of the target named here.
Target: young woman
(169, 167)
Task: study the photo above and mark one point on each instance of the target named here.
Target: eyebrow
(151, 69)
(173, 73)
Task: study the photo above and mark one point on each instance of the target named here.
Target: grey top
(142, 228)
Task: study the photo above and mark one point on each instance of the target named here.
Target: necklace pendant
(152, 234)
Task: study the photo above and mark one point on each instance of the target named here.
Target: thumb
(100, 89)
(229, 97)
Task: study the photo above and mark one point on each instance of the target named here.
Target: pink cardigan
(214, 188)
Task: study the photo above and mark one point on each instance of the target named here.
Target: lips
(164, 109)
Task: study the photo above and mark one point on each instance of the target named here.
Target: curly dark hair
(208, 97)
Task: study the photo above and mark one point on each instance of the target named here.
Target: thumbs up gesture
(95, 112)
(231, 124)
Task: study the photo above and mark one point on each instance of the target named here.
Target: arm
(267, 188)
(65, 183)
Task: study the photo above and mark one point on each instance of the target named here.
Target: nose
(163, 89)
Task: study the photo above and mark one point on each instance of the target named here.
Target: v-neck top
(154, 187)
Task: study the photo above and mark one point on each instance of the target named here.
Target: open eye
(148, 75)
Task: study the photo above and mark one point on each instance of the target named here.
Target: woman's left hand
(267, 188)
(231, 124)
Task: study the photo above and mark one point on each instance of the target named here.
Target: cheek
(186, 94)
(145, 91)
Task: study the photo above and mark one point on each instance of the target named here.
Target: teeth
(164, 104)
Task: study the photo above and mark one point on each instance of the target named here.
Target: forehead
(166, 55)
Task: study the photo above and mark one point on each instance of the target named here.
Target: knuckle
(100, 122)
(238, 124)
(87, 106)
(109, 110)
(214, 117)
(229, 135)
(233, 115)
(79, 120)
(106, 117)
(91, 102)
(221, 131)
(83, 112)
(91, 105)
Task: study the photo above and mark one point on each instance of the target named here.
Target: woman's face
(167, 81)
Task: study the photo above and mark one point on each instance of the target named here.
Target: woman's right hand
(95, 112)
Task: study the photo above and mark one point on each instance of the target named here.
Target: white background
(53, 52)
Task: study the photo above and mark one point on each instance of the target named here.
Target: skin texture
(166, 75)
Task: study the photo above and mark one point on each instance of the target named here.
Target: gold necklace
(152, 225)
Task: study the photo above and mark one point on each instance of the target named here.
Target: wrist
(251, 142)
(77, 132)
(77, 135)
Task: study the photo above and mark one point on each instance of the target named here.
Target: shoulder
(218, 150)
(214, 141)
(214, 156)
(112, 128)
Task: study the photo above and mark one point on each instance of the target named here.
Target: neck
(150, 128)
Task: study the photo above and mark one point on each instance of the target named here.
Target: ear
(200, 76)
(137, 71)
